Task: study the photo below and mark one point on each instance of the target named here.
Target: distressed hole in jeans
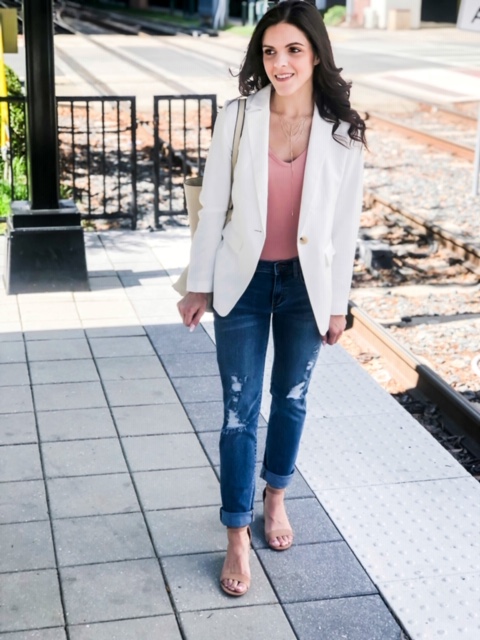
(233, 419)
(296, 392)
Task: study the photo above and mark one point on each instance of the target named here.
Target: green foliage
(17, 149)
(17, 115)
(20, 190)
(14, 86)
(335, 16)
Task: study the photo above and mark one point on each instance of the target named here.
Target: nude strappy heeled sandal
(239, 577)
(276, 533)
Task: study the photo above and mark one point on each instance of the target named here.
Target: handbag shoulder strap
(238, 130)
(236, 143)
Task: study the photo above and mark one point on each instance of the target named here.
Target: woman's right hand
(192, 307)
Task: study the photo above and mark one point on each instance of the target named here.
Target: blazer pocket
(233, 239)
(329, 253)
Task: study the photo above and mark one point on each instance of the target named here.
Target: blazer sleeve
(345, 228)
(214, 200)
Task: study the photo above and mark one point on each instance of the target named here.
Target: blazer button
(303, 239)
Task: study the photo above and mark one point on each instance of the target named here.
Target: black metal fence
(98, 155)
(183, 128)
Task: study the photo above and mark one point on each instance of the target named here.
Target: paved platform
(109, 418)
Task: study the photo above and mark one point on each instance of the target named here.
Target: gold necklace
(292, 132)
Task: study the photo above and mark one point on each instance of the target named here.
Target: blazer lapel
(257, 121)
(316, 154)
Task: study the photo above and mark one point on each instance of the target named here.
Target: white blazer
(223, 260)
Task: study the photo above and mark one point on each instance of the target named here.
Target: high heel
(239, 577)
(276, 533)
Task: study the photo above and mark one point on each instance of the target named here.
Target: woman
(284, 260)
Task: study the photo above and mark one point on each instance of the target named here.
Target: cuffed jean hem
(235, 519)
(276, 482)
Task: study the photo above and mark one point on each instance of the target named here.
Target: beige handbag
(193, 187)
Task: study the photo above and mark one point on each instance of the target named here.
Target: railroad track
(416, 376)
(423, 296)
(460, 149)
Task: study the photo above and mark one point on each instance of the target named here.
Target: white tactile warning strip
(411, 530)
(375, 449)
(446, 607)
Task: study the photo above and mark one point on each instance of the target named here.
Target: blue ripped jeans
(276, 295)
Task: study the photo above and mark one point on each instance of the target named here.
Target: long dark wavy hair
(330, 91)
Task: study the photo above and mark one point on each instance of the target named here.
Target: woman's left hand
(335, 329)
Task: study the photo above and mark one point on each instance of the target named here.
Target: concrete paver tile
(83, 458)
(55, 309)
(30, 600)
(59, 334)
(147, 278)
(69, 395)
(179, 488)
(210, 440)
(130, 367)
(353, 618)
(93, 309)
(75, 424)
(151, 293)
(172, 451)
(26, 546)
(104, 538)
(53, 325)
(102, 283)
(23, 502)
(17, 428)
(66, 349)
(137, 392)
(316, 572)
(57, 633)
(247, 623)
(161, 627)
(175, 338)
(17, 400)
(92, 495)
(58, 371)
(20, 462)
(104, 347)
(10, 312)
(206, 389)
(151, 419)
(149, 308)
(124, 330)
(205, 416)
(194, 583)
(13, 374)
(309, 521)
(183, 531)
(12, 352)
(10, 332)
(46, 296)
(183, 365)
(101, 297)
(121, 590)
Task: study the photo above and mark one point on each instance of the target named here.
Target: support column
(45, 244)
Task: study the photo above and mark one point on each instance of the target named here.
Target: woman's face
(288, 59)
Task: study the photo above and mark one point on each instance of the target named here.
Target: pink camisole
(285, 182)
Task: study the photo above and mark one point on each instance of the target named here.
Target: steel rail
(460, 150)
(418, 377)
(468, 252)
